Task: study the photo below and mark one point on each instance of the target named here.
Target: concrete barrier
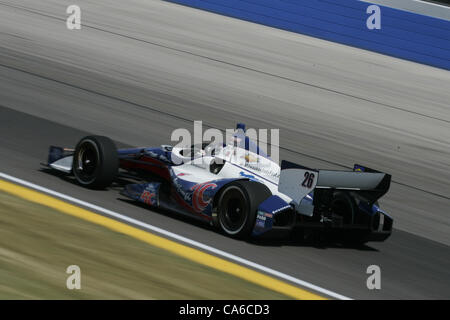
(402, 34)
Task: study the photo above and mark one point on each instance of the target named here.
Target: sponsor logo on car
(148, 197)
(263, 169)
(260, 223)
(198, 201)
(249, 176)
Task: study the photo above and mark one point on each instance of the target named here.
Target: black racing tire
(344, 205)
(95, 162)
(237, 207)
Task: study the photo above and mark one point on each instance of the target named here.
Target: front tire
(95, 162)
(237, 207)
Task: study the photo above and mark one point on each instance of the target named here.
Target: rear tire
(344, 205)
(95, 162)
(238, 205)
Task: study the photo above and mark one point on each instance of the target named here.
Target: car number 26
(309, 179)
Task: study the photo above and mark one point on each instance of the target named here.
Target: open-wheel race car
(236, 187)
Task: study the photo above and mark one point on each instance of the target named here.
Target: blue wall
(403, 34)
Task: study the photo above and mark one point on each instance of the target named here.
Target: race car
(236, 187)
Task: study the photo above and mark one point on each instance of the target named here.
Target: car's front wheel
(95, 162)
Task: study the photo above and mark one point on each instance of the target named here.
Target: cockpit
(240, 150)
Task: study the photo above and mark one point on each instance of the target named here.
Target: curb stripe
(187, 252)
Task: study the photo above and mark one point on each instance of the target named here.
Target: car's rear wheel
(95, 162)
(237, 207)
(344, 206)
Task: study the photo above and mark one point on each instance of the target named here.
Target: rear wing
(297, 181)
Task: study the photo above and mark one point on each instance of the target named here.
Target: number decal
(309, 180)
(306, 179)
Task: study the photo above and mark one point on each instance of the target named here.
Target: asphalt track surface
(136, 71)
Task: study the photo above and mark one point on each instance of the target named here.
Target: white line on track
(177, 237)
(432, 4)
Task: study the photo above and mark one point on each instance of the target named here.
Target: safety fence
(360, 24)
